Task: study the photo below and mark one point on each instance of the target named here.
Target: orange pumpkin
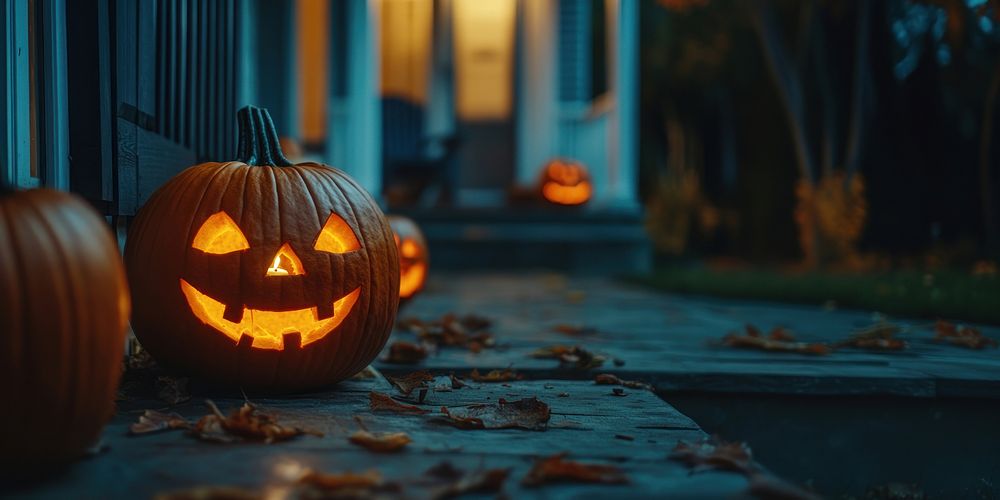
(63, 311)
(263, 273)
(414, 259)
(566, 182)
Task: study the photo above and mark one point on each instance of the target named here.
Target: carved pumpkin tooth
(233, 314)
(245, 343)
(291, 341)
(324, 309)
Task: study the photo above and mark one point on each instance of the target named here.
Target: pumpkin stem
(258, 140)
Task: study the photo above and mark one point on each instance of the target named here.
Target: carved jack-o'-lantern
(263, 273)
(566, 182)
(414, 259)
(63, 311)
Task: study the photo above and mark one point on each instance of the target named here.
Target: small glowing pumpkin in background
(566, 182)
(64, 306)
(414, 259)
(262, 273)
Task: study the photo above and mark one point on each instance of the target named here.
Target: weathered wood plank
(671, 340)
(141, 466)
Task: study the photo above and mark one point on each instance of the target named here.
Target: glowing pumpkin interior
(566, 183)
(412, 267)
(218, 235)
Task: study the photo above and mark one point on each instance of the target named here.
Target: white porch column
(537, 99)
(355, 130)
(439, 118)
(623, 141)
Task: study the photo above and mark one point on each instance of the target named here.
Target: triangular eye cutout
(220, 235)
(337, 236)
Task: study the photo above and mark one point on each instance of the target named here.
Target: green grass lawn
(940, 294)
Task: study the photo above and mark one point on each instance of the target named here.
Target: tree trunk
(829, 143)
(787, 82)
(985, 179)
(856, 133)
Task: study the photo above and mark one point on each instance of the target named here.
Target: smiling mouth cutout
(268, 328)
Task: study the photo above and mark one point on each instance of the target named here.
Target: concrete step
(574, 240)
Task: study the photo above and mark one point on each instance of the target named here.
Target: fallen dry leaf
(505, 375)
(451, 330)
(211, 493)
(961, 335)
(574, 330)
(456, 382)
(880, 336)
(780, 339)
(308, 484)
(715, 454)
(244, 424)
(383, 402)
(556, 468)
(367, 374)
(154, 421)
(610, 379)
(338, 482)
(570, 356)
(459, 483)
(529, 413)
(407, 383)
(382, 442)
(140, 360)
(444, 470)
(172, 390)
(475, 322)
(405, 353)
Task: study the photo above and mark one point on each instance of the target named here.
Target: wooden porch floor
(662, 339)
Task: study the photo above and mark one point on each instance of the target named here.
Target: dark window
(599, 49)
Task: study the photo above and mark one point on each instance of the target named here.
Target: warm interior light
(566, 195)
(409, 249)
(337, 236)
(483, 46)
(411, 278)
(220, 235)
(268, 328)
(285, 263)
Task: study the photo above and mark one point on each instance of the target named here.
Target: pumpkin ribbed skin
(273, 206)
(63, 311)
(414, 262)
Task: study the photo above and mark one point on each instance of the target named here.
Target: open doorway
(447, 90)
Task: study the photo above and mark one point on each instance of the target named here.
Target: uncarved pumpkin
(63, 311)
(414, 258)
(565, 182)
(262, 273)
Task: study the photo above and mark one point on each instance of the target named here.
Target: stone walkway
(662, 339)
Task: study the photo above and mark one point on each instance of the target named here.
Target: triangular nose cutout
(285, 263)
